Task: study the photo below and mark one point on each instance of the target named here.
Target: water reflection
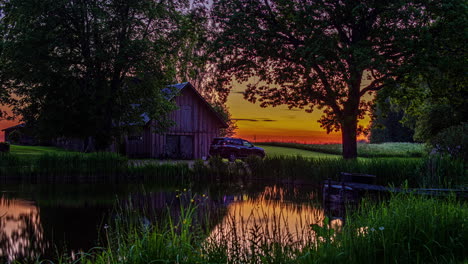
(70, 217)
(278, 215)
(21, 233)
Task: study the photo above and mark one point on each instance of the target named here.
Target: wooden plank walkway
(372, 187)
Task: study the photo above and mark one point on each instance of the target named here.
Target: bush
(4, 147)
(15, 136)
(453, 141)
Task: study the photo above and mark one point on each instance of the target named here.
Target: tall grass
(135, 236)
(405, 229)
(434, 171)
(80, 163)
(388, 150)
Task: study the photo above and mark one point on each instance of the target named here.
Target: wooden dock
(359, 187)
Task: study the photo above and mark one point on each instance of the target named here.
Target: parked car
(234, 148)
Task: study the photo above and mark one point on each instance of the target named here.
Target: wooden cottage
(196, 124)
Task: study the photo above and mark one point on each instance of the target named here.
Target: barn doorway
(179, 147)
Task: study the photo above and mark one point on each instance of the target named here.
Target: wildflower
(203, 195)
(381, 228)
(106, 226)
(372, 229)
(177, 196)
(192, 200)
(185, 190)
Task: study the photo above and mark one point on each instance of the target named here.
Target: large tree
(434, 91)
(323, 54)
(82, 68)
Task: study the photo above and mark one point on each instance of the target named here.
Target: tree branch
(375, 85)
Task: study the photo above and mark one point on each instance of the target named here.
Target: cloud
(289, 116)
(293, 109)
(255, 119)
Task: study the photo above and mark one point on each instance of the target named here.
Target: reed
(432, 171)
(404, 229)
(80, 163)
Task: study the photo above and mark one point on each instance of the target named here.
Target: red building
(196, 124)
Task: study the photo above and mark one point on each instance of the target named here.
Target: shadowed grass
(433, 171)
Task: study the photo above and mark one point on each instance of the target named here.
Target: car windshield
(218, 141)
(247, 144)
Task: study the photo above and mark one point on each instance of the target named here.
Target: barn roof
(14, 127)
(173, 90)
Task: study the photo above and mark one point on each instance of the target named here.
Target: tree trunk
(349, 136)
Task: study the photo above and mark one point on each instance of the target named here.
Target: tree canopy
(318, 54)
(433, 92)
(78, 68)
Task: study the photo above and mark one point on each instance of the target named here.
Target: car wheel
(232, 157)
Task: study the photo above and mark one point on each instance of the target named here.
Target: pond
(43, 219)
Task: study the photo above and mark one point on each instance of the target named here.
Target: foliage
(4, 147)
(433, 93)
(386, 126)
(15, 136)
(223, 111)
(317, 53)
(81, 69)
(453, 141)
(364, 149)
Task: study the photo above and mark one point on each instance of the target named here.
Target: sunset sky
(266, 124)
(279, 123)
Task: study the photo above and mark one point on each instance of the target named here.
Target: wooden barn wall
(192, 118)
(139, 148)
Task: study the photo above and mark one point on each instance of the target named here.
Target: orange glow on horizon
(280, 124)
(259, 124)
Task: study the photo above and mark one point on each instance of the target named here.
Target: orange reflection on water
(21, 234)
(271, 218)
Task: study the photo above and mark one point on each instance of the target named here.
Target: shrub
(453, 141)
(4, 147)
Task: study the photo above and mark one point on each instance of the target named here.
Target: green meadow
(288, 151)
(394, 149)
(34, 150)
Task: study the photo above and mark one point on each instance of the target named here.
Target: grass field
(34, 150)
(284, 151)
(394, 149)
